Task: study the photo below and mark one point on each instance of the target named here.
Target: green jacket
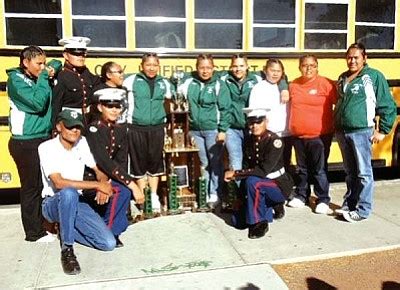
(365, 97)
(144, 108)
(209, 103)
(30, 99)
(240, 93)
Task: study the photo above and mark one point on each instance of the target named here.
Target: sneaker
(296, 203)
(352, 216)
(342, 210)
(49, 238)
(155, 203)
(322, 208)
(69, 262)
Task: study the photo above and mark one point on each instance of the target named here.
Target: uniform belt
(276, 174)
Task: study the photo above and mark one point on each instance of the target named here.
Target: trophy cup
(179, 99)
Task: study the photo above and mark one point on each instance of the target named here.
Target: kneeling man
(267, 184)
(63, 160)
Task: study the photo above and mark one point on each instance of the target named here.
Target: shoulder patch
(278, 143)
(93, 129)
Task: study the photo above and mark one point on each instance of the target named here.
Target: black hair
(204, 56)
(359, 46)
(29, 52)
(105, 68)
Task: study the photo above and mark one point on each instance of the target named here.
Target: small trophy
(179, 99)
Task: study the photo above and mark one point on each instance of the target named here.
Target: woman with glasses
(146, 119)
(209, 119)
(75, 83)
(311, 125)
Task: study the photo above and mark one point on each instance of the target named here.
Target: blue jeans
(210, 155)
(78, 221)
(356, 153)
(262, 195)
(234, 144)
(311, 158)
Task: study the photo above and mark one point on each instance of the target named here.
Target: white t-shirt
(54, 158)
(267, 95)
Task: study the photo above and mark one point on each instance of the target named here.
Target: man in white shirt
(63, 160)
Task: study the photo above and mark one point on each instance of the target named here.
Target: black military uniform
(108, 144)
(267, 184)
(75, 84)
(74, 89)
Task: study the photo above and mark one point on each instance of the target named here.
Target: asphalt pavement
(201, 250)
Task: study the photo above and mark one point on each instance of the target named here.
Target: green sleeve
(386, 107)
(224, 105)
(283, 84)
(31, 99)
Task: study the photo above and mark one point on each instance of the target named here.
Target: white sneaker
(296, 203)
(155, 203)
(212, 201)
(49, 238)
(322, 208)
(342, 210)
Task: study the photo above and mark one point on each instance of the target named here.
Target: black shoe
(69, 262)
(258, 230)
(279, 211)
(118, 244)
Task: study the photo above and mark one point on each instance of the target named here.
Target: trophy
(179, 98)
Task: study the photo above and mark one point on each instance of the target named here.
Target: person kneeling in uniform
(267, 184)
(108, 142)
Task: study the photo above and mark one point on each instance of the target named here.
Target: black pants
(311, 157)
(26, 157)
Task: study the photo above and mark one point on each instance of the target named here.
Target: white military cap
(256, 112)
(110, 95)
(75, 43)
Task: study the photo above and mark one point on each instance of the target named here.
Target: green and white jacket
(365, 97)
(30, 104)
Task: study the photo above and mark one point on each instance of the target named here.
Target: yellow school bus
(178, 30)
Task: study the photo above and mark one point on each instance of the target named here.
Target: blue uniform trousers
(262, 195)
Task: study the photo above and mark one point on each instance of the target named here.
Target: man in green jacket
(363, 94)
(30, 93)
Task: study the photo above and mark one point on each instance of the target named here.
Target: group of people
(72, 133)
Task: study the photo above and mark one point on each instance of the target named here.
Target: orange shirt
(311, 107)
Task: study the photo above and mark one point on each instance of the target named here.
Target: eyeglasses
(309, 66)
(254, 122)
(116, 72)
(77, 127)
(112, 106)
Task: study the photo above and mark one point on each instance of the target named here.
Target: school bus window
(36, 7)
(160, 34)
(103, 23)
(375, 23)
(160, 24)
(22, 19)
(154, 8)
(325, 26)
(219, 24)
(274, 23)
(102, 7)
(103, 33)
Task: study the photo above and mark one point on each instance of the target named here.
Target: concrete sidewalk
(200, 250)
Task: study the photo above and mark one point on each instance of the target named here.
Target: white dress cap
(76, 42)
(111, 95)
(256, 112)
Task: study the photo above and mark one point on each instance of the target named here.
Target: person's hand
(51, 71)
(105, 187)
(377, 137)
(220, 137)
(136, 192)
(101, 198)
(285, 96)
(229, 175)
